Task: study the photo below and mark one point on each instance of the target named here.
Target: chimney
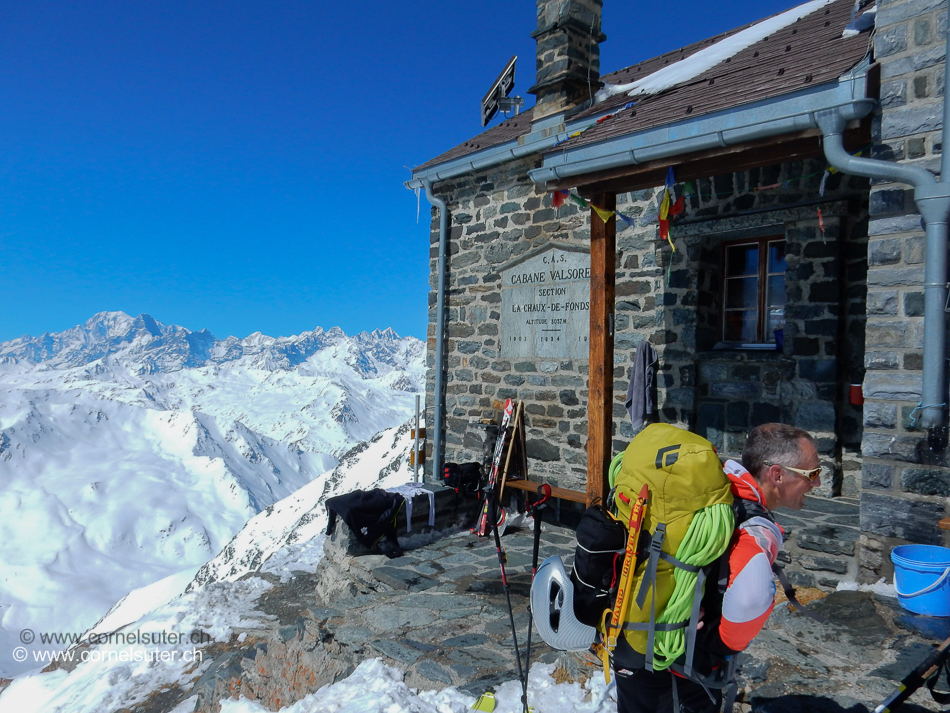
(568, 54)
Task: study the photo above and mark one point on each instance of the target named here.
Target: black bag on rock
(371, 515)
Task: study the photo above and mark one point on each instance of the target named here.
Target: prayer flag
(669, 208)
(626, 219)
(558, 198)
(603, 213)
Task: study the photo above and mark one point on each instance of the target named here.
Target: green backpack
(690, 524)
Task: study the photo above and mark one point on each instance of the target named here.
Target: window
(753, 292)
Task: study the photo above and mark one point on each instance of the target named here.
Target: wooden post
(603, 272)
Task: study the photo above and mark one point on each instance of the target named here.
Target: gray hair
(774, 442)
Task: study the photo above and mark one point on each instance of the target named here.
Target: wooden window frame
(762, 278)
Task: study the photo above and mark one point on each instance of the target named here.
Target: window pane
(776, 294)
(775, 319)
(742, 260)
(777, 256)
(740, 326)
(742, 293)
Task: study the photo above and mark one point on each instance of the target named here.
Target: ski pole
(916, 678)
(544, 493)
(504, 582)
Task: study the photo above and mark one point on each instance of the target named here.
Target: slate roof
(806, 53)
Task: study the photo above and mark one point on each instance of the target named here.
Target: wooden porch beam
(603, 269)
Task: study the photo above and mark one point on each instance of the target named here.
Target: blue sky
(238, 166)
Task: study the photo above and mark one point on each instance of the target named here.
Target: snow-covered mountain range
(131, 450)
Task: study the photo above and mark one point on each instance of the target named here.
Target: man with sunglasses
(780, 466)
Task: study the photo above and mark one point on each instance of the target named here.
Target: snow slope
(286, 536)
(132, 450)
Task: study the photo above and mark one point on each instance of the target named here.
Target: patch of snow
(377, 688)
(706, 59)
(141, 601)
(879, 587)
(860, 24)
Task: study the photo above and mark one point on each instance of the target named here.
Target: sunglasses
(810, 474)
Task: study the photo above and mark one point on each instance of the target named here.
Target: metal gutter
(783, 114)
(544, 135)
(438, 406)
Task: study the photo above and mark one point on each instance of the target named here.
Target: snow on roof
(860, 24)
(706, 59)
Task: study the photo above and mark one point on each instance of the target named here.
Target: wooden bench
(563, 493)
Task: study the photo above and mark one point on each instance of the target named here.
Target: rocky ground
(439, 613)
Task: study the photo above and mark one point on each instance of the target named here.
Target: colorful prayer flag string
(669, 208)
(577, 133)
(558, 198)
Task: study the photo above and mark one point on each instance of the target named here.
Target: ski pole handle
(544, 494)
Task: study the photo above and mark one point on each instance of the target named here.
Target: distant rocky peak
(388, 334)
(108, 324)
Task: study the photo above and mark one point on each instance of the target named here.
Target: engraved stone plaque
(545, 300)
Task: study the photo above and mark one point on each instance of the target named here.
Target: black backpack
(464, 479)
(598, 558)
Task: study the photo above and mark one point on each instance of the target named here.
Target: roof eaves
(544, 135)
(787, 113)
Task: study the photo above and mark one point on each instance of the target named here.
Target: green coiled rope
(706, 539)
(614, 468)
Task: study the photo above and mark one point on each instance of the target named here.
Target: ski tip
(485, 702)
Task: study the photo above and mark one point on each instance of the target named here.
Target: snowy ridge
(301, 518)
(132, 450)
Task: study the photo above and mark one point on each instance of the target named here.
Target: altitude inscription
(545, 304)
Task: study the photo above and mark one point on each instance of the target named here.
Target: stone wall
(499, 215)
(806, 383)
(904, 480)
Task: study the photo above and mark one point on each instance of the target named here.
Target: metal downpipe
(438, 406)
(933, 203)
(934, 389)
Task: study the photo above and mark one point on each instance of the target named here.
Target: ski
(481, 524)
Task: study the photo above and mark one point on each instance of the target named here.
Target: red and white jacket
(750, 593)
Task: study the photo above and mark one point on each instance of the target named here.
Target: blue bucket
(922, 578)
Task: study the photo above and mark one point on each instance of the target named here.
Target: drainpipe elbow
(832, 124)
